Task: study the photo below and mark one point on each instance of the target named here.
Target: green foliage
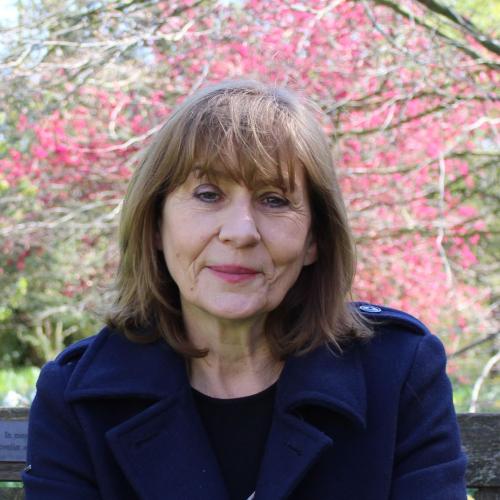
(47, 339)
(15, 298)
(19, 380)
(461, 396)
(485, 14)
(47, 293)
(12, 484)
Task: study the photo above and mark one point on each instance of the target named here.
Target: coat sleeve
(429, 462)
(59, 466)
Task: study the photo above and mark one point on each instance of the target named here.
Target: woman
(232, 366)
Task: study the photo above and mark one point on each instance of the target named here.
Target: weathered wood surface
(480, 436)
(11, 494)
(487, 494)
(14, 413)
(481, 439)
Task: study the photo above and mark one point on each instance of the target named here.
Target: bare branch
(480, 381)
(472, 345)
(441, 223)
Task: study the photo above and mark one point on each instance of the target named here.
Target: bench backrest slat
(487, 494)
(480, 436)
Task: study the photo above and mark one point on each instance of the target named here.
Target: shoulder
(57, 372)
(109, 365)
(381, 317)
(392, 326)
(75, 351)
(400, 340)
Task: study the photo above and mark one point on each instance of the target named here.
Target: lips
(234, 274)
(233, 269)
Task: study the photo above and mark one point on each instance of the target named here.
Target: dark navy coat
(116, 420)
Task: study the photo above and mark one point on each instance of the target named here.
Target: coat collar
(327, 379)
(169, 434)
(112, 366)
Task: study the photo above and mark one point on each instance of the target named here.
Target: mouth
(234, 274)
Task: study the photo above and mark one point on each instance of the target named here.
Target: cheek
(182, 245)
(287, 245)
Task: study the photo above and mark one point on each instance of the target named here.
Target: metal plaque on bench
(13, 440)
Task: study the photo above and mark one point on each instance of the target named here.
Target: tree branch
(485, 41)
(466, 50)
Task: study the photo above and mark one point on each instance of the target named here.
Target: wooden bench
(480, 436)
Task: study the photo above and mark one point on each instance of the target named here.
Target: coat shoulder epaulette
(386, 316)
(74, 351)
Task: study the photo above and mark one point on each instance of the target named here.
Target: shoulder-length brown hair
(252, 132)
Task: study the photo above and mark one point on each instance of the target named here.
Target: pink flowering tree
(407, 92)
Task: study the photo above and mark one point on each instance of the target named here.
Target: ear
(312, 251)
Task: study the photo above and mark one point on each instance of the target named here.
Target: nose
(239, 227)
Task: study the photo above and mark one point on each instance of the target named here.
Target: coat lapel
(323, 379)
(292, 448)
(327, 379)
(164, 452)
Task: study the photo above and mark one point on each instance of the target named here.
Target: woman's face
(234, 252)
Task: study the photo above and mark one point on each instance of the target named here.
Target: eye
(274, 200)
(207, 194)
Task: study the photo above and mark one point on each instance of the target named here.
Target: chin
(236, 311)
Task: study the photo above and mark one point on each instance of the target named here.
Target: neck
(239, 360)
